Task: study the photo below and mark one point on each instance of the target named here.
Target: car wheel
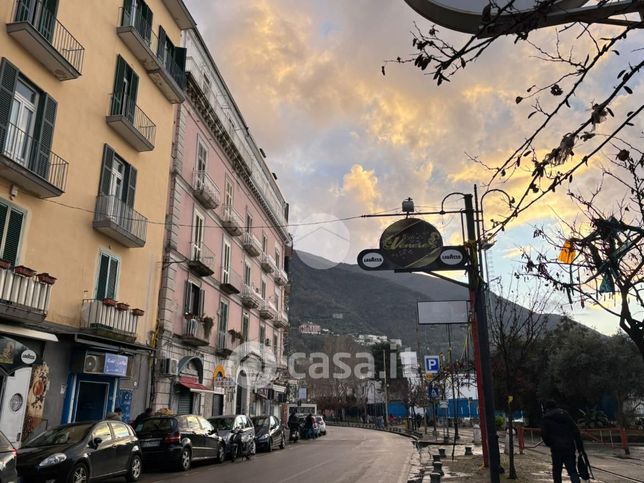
(221, 454)
(185, 461)
(282, 443)
(79, 474)
(136, 468)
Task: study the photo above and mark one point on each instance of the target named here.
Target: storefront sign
(28, 357)
(115, 365)
(411, 243)
(14, 355)
(449, 258)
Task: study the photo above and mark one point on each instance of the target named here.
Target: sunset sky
(344, 140)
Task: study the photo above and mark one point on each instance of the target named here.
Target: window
(126, 87)
(263, 288)
(136, 13)
(120, 430)
(193, 423)
(193, 299)
(245, 324)
(205, 424)
(247, 273)
(10, 232)
(27, 119)
(197, 235)
(118, 181)
(278, 300)
(174, 58)
(249, 222)
(275, 343)
(262, 334)
(228, 193)
(264, 243)
(108, 274)
(202, 156)
(206, 84)
(225, 264)
(223, 316)
(102, 430)
(278, 259)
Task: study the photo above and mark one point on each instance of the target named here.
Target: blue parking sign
(432, 364)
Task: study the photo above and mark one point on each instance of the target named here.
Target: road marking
(296, 475)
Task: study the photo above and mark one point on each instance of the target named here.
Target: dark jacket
(559, 432)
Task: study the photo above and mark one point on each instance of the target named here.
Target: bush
(500, 422)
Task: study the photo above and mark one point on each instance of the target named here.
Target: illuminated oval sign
(451, 257)
(372, 260)
(411, 243)
(466, 15)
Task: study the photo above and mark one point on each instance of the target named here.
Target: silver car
(321, 424)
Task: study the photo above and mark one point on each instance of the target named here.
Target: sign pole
(482, 350)
(384, 365)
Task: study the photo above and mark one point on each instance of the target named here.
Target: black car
(179, 440)
(224, 426)
(269, 433)
(80, 452)
(7, 461)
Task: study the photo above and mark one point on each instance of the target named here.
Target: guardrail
(394, 430)
(611, 437)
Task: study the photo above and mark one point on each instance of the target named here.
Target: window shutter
(146, 20)
(202, 296)
(113, 277)
(3, 220)
(131, 186)
(106, 174)
(180, 59)
(117, 93)
(12, 240)
(161, 48)
(8, 79)
(129, 17)
(103, 269)
(45, 123)
(48, 18)
(131, 95)
(186, 298)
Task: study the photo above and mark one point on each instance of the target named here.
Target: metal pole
(454, 398)
(384, 363)
(482, 347)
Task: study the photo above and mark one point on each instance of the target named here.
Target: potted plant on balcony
(122, 306)
(46, 278)
(110, 302)
(6, 264)
(138, 312)
(207, 325)
(24, 271)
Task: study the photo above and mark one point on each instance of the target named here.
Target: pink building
(226, 254)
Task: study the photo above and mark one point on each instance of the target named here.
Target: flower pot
(46, 278)
(24, 271)
(137, 312)
(109, 302)
(5, 263)
(122, 306)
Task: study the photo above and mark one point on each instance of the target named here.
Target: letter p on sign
(432, 364)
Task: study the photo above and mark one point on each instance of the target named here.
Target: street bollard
(476, 431)
(445, 439)
(442, 452)
(435, 477)
(438, 467)
(468, 451)
(436, 457)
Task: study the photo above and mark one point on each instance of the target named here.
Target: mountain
(348, 300)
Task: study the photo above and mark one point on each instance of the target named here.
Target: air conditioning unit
(169, 367)
(94, 363)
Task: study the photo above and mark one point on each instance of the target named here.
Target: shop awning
(197, 387)
(30, 333)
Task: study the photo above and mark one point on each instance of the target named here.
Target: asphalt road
(343, 455)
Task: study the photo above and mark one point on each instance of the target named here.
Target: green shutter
(162, 47)
(112, 278)
(131, 186)
(3, 220)
(186, 298)
(132, 94)
(202, 296)
(8, 80)
(106, 172)
(47, 19)
(12, 239)
(45, 123)
(103, 270)
(146, 21)
(128, 19)
(117, 93)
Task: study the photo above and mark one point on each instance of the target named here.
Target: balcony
(251, 244)
(24, 294)
(43, 36)
(231, 221)
(137, 34)
(205, 189)
(281, 320)
(280, 277)
(267, 311)
(119, 221)
(132, 124)
(31, 165)
(249, 298)
(224, 346)
(268, 263)
(108, 318)
(180, 14)
(202, 260)
(230, 281)
(195, 333)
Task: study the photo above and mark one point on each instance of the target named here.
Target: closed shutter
(45, 123)
(129, 17)
(112, 278)
(117, 92)
(131, 186)
(12, 239)
(146, 21)
(103, 270)
(47, 18)
(132, 93)
(202, 296)
(162, 47)
(180, 59)
(186, 298)
(184, 402)
(24, 10)
(8, 79)
(106, 173)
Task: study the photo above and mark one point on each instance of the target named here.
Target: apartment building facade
(224, 277)
(88, 92)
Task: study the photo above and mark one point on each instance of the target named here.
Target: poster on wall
(38, 388)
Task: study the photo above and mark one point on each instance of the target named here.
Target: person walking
(560, 433)
(144, 415)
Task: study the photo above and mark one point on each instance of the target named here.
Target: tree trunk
(513, 470)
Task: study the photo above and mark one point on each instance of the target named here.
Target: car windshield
(62, 435)
(5, 444)
(155, 424)
(222, 423)
(260, 422)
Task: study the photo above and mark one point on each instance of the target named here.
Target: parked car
(8, 472)
(81, 452)
(321, 424)
(269, 433)
(224, 425)
(179, 440)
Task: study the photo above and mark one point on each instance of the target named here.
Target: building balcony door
(22, 121)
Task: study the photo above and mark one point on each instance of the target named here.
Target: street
(343, 455)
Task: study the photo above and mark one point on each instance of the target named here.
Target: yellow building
(88, 91)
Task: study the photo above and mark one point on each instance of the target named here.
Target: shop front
(189, 387)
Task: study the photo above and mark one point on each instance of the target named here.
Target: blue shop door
(124, 401)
